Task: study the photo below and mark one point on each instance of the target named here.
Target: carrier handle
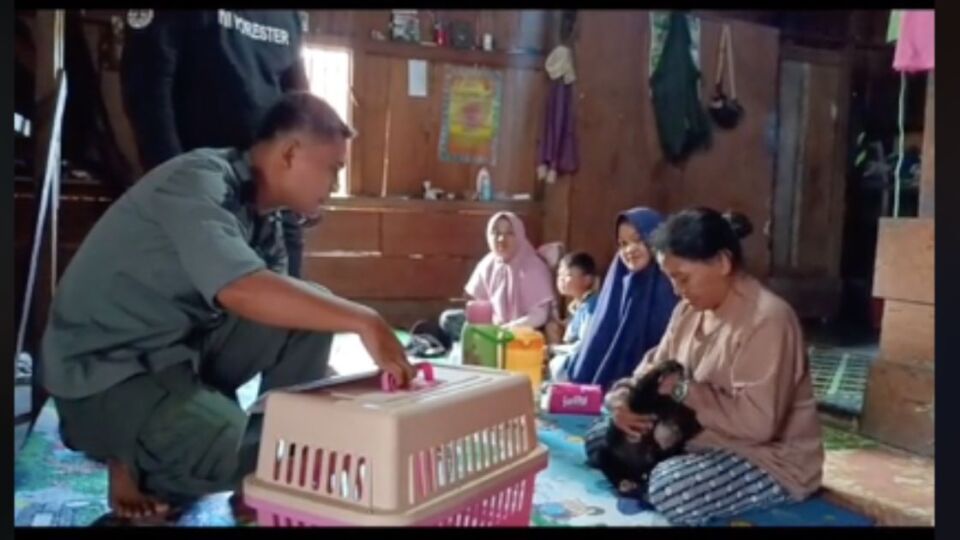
(389, 384)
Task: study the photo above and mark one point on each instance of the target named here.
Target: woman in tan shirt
(747, 380)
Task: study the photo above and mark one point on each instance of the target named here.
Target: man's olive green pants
(183, 433)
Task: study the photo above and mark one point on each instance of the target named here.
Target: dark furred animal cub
(627, 461)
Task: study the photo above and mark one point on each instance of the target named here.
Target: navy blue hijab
(630, 318)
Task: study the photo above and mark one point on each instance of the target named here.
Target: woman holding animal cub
(746, 378)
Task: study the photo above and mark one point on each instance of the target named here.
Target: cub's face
(667, 435)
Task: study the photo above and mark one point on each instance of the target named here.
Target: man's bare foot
(126, 499)
(243, 514)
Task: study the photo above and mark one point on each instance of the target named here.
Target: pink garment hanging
(916, 44)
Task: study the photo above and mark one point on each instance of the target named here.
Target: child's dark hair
(581, 260)
(303, 111)
(700, 234)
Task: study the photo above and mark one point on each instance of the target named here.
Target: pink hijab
(514, 287)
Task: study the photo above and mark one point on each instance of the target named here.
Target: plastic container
(526, 354)
(484, 185)
(484, 345)
(457, 449)
(479, 312)
(572, 398)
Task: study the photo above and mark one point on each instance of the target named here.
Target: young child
(577, 281)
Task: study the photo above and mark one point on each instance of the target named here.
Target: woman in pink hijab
(512, 278)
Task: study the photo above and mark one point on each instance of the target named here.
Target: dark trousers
(183, 433)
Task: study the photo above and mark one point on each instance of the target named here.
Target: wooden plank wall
(397, 148)
(412, 262)
(737, 172)
(406, 263)
(621, 160)
(814, 221)
(80, 207)
(402, 261)
(810, 187)
(398, 144)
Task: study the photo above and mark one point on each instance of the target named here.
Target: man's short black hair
(296, 111)
(581, 260)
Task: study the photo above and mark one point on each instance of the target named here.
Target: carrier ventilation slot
(437, 468)
(335, 474)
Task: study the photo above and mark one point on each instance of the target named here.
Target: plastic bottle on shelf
(484, 185)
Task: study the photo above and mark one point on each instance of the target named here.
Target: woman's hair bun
(739, 223)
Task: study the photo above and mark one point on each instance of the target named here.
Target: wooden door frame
(826, 287)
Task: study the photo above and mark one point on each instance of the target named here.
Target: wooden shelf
(400, 204)
(495, 59)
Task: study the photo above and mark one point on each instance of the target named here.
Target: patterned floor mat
(57, 487)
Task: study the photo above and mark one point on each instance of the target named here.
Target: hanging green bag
(682, 123)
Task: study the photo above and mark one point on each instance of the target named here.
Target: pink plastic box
(479, 312)
(458, 448)
(570, 398)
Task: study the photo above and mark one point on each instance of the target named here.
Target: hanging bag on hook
(725, 110)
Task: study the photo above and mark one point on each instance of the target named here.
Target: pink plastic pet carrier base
(456, 450)
(507, 505)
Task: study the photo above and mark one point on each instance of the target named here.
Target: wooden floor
(891, 486)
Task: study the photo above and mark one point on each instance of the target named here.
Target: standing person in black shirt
(203, 79)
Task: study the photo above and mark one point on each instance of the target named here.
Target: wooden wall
(397, 147)
(407, 258)
(809, 194)
(79, 208)
(622, 163)
(405, 261)
(411, 259)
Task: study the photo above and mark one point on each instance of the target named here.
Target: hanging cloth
(681, 120)
(914, 53)
(558, 152)
(916, 42)
(893, 27)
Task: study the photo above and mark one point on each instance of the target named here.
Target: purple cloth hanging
(558, 153)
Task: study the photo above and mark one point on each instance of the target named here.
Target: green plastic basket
(484, 345)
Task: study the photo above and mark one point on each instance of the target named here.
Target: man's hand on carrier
(386, 350)
(281, 301)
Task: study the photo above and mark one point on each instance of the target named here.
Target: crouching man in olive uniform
(178, 296)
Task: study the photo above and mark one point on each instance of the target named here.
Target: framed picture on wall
(471, 115)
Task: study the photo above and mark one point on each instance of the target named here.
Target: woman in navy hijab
(633, 310)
